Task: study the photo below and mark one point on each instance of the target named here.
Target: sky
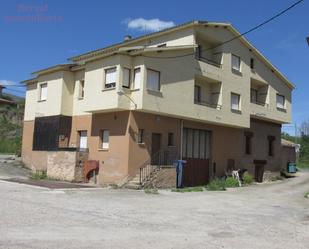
(38, 34)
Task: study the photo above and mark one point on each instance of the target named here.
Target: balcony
(207, 93)
(258, 93)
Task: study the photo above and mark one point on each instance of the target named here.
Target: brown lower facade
(134, 137)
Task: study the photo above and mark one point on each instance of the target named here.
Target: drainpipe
(181, 137)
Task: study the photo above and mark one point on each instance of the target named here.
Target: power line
(12, 85)
(234, 38)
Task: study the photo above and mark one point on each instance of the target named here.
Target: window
(248, 142)
(271, 140)
(280, 101)
(81, 89)
(137, 78)
(162, 45)
(254, 95)
(126, 78)
(235, 62)
(153, 80)
(170, 140)
(104, 136)
(110, 77)
(235, 101)
(83, 139)
(140, 136)
(252, 63)
(43, 92)
(197, 94)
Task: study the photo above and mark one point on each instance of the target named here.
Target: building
(177, 93)
(3, 99)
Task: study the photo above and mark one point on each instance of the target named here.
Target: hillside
(11, 117)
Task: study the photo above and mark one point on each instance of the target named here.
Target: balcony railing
(199, 57)
(258, 103)
(208, 104)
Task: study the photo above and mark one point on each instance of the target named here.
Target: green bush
(39, 175)
(231, 182)
(248, 179)
(216, 185)
(189, 189)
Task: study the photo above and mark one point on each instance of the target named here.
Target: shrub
(248, 179)
(216, 185)
(231, 182)
(39, 175)
(153, 191)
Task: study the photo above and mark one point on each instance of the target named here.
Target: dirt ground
(273, 215)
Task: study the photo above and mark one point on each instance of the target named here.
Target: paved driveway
(272, 215)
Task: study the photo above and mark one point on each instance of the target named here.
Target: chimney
(127, 38)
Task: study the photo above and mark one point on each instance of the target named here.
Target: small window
(110, 77)
(81, 89)
(104, 137)
(252, 63)
(271, 140)
(126, 78)
(254, 95)
(235, 101)
(153, 80)
(83, 140)
(140, 136)
(43, 92)
(197, 94)
(137, 78)
(235, 62)
(248, 142)
(280, 101)
(170, 140)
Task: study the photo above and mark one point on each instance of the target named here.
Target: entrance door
(83, 140)
(196, 151)
(155, 148)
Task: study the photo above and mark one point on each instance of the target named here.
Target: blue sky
(68, 28)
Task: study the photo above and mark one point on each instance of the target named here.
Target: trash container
(179, 170)
(291, 168)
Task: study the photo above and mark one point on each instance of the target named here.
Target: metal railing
(208, 61)
(205, 103)
(155, 162)
(258, 102)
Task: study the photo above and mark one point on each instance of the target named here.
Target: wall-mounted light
(121, 93)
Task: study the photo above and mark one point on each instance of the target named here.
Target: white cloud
(142, 24)
(7, 82)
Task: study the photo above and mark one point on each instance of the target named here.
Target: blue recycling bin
(291, 168)
(179, 171)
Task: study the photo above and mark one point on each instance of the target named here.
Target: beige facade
(183, 61)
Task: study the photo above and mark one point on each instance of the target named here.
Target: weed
(216, 185)
(248, 179)
(231, 182)
(38, 175)
(153, 191)
(189, 189)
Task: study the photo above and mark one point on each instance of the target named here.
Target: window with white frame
(110, 77)
(236, 62)
(104, 139)
(280, 101)
(137, 78)
(83, 140)
(153, 80)
(235, 101)
(43, 92)
(126, 78)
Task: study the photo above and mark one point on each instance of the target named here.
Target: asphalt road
(274, 215)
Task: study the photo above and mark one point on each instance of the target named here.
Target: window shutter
(235, 101)
(126, 78)
(153, 80)
(110, 76)
(137, 78)
(43, 93)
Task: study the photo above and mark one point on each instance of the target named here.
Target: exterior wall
(61, 165)
(288, 156)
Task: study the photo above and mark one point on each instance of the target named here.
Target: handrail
(258, 102)
(161, 157)
(211, 62)
(205, 103)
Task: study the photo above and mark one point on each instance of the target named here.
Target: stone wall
(164, 178)
(61, 165)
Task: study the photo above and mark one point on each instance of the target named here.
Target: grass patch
(303, 165)
(276, 178)
(152, 191)
(188, 189)
(306, 195)
(231, 182)
(38, 175)
(216, 185)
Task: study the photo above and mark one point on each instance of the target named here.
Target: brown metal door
(155, 148)
(196, 172)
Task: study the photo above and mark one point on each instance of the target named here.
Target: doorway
(155, 148)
